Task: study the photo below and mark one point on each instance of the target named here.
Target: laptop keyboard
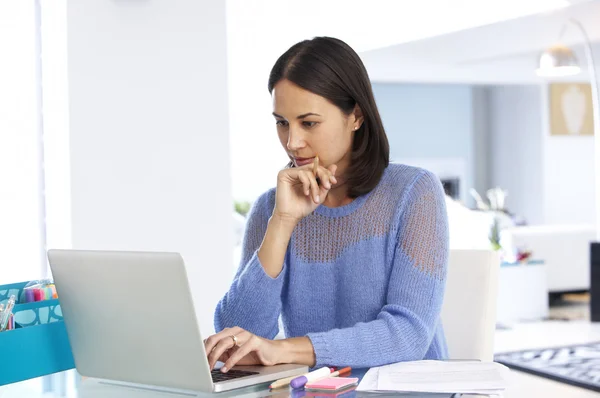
(218, 376)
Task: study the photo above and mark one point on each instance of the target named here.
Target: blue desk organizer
(38, 345)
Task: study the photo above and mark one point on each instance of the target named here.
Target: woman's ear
(358, 117)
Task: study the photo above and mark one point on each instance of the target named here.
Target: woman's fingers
(333, 169)
(241, 352)
(314, 186)
(305, 183)
(217, 352)
(323, 175)
(226, 355)
(307, 175)
(212, 341)
(326, 177)
(225, 344)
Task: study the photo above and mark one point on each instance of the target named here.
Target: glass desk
(69, 385)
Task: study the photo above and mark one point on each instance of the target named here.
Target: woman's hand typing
(236, 346)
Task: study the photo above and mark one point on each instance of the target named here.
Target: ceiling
(263, 29)
(500, 53)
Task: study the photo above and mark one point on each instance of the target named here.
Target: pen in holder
(6, 314)
(37, 343)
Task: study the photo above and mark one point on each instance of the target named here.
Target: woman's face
(309, 125)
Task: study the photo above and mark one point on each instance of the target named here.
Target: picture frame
(571, 109)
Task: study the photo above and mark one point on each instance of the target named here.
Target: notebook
(331, 384)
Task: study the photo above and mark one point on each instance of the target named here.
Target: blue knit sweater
(364, 281)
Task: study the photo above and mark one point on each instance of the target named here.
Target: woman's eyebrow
(300, 116)
(308, 114)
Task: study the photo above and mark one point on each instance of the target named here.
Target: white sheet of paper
(369, 380)
(437, 376)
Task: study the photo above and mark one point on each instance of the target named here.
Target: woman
(350, 250)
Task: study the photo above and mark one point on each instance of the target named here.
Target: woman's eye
(309, 124)
(281, 123)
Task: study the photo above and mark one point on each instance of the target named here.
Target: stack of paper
(465, 377)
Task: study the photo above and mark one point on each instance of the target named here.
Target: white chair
(565, 250)
(469, 308)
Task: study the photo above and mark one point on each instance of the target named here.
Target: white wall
(56, 124)
(516, 148)
(568, 166)
(550, 179)
(149, 134)
(256, 154)
(21, 244)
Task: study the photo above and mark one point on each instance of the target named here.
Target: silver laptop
(130, 318)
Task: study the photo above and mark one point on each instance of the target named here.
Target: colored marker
(341, 372)
(282, 382)
(300, 381)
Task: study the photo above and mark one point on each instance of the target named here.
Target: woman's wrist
(297, 350)
(275, 243)
(281, 221)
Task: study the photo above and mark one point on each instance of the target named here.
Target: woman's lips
(303, 161)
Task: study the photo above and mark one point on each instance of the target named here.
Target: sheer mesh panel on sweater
(322, 239)
(421, 234)
(256, 226)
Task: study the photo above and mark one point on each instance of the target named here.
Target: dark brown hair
(330, 68)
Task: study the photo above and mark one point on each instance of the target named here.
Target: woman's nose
(295, 140)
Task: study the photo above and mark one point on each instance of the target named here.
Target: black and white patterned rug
(578, 365)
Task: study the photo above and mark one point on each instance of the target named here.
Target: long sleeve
(253, 301)
(407, 323)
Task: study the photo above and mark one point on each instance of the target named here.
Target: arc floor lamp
(558, 61)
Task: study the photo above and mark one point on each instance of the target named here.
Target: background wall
(550, 178)
(149, 142)
(21, 202)
(495, 136)
(568, 177)
(430, 126)
(516, 148)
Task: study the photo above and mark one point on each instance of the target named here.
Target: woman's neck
(337, 196)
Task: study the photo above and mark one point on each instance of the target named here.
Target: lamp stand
(594, 246)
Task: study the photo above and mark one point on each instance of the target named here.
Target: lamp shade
(558, 60)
